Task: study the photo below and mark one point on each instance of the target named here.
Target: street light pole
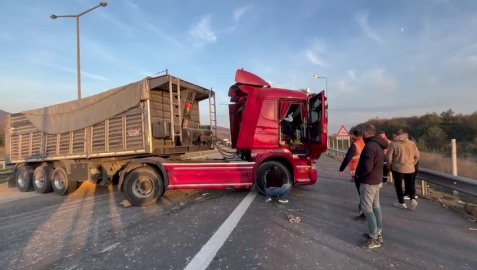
(78, 54)
(326, 82)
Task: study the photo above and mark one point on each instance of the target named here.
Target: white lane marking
(202, 259)
(109, 248)
(14, 199)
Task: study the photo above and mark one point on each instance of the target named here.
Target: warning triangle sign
(343, 132)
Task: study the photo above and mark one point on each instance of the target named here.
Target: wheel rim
(22, 178)
(142, 187)
(59, 180)
(40, 179)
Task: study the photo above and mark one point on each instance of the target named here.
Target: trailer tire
(42, 177)
(23, 178)
(265, 168)
(62, 185)
(143, 186)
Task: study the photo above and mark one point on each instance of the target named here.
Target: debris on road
(126, 203)
(293, 219)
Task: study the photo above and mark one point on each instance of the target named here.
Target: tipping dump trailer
(51, 153)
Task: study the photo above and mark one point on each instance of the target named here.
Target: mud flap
(11, 181)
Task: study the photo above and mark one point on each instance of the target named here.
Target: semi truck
(132, 133)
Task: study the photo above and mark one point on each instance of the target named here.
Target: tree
(435, 139)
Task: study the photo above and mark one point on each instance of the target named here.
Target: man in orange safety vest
(352, 158)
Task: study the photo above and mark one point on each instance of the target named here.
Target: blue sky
(382, 58)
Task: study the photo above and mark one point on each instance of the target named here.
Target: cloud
(472, 59)
(131, 4)
(372, 81)
(314, 59)
(203, 32)
(34, 94)
(362, 19)
(351, 74)
(126, 28)
(46, 59)
(163, 35)
(239, 12)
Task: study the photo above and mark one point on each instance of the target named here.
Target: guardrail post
(454, 162)
(423, 188)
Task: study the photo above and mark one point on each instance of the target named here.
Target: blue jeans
(282, 192)
(371, 208)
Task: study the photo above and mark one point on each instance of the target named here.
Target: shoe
(408, 198)
(371, 243)
(361, 217)
(413, 205)
(269, 199)
(282, 201)
(380, 237)
(402, 206)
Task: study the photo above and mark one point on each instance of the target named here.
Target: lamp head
(103, 3)
(53, 16)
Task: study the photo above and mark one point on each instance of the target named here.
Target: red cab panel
(245, 77)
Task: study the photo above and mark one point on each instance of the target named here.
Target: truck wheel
(143, 186)
(23, 178)
(42, 179)
(263, 176)
(61, 184)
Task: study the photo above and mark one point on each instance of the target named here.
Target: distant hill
(223, 133)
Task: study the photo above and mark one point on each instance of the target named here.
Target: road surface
(89, 230)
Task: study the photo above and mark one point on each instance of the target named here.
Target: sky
(381, 58)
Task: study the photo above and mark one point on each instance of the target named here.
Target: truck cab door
(318, 124)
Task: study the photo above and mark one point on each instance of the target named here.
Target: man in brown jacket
(401, 158)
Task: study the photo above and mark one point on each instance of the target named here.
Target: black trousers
(416, 170)
(408, 183)
(357, 184)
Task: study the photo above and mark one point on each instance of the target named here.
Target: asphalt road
(89, 230)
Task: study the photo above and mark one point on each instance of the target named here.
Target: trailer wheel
(61, 183)
(23, 178)
(268, 166)
(42, 179)
(143, 186)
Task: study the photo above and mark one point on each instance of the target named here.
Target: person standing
(370, 175)
(352, 158)
(416, 170)
(382, 134)
(401, 158)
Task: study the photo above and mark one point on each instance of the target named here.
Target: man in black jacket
(370, 176)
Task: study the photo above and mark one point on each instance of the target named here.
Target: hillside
(223, 133)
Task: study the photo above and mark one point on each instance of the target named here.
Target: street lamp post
(53, 17)
(326, 81)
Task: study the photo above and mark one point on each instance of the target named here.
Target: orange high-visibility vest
(359, 144)
(389, 143)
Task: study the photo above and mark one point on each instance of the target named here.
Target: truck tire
(42, 179)
(265, 167)
(143, 186)
(61, 183)
(23, 178)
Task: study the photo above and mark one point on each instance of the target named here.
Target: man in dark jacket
(370, 176)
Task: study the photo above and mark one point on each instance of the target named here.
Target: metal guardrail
(458, 183)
